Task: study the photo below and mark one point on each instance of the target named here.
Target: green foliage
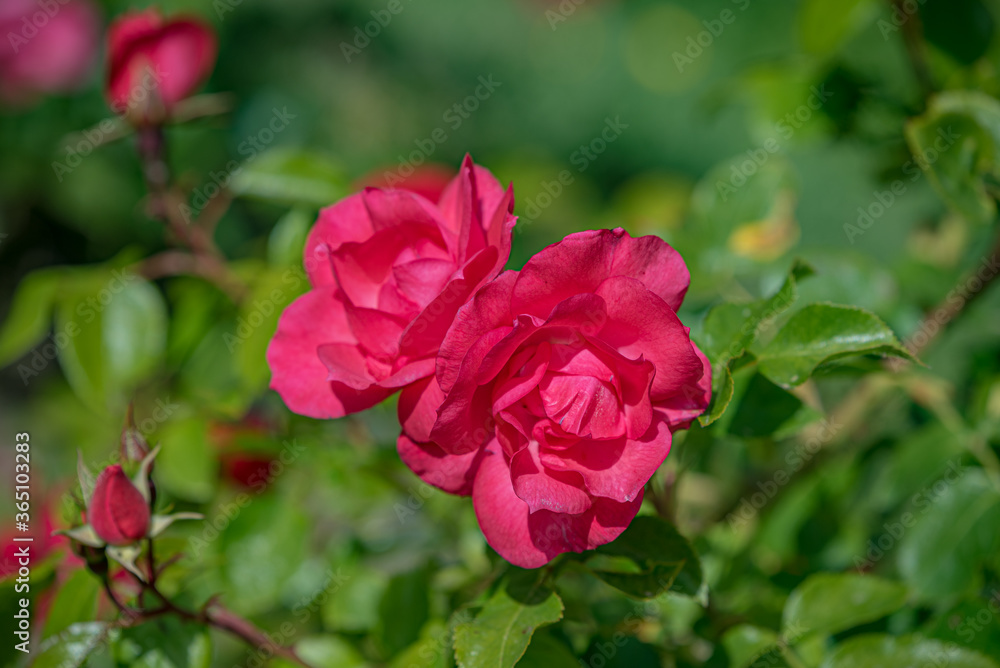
(659, 559)
(957, 141)
(291, 177)
(956, 533)
(501, 631)
(872, 651)
(830, 603)
(828, 169)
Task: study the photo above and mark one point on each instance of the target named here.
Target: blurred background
(746, 133)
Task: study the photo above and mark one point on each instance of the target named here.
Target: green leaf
(115, 334)
(262, 549)
(288, 238)
(353, 607)
(661, 560)
(75, 602)
(956, 530)
(165, 642)
(957, 143)
(745, 643)
(722, 394)
(432, 650)
(134, 333)
(833, 602)
(74, 646)
(729, 329)
(547, 652)
(822, 333)
(880, 651)
(403, 611)
(826, 24)
(763, 409)
(324, 652)
(290, 176)
(186, 466)
(30, 314)
(501, 632)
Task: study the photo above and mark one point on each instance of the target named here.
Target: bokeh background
(605, 113)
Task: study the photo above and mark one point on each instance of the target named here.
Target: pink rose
(389, 270)
(559, 387)
(118, 512)
(46, 48)
(154, 64)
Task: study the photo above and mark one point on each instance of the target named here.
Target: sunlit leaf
(822, 333)
(501, 632)
(834, 602)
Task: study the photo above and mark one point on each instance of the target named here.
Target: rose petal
(692, 400)
(297, 372)
(530, 540)
(541, 489)
(615, 469)
(451, 473)
(418, 404)
(118, 512)
(640, 324)
(582, 261)
(488, 310)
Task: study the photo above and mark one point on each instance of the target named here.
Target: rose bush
(389, 269)
(558, 389)
(153, 64)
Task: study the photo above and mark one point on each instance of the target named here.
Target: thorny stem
(203, 258)
(212, 614)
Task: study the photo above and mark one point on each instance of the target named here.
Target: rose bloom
(153, 64)
(559, 389)
(389, 269)
(46, 50)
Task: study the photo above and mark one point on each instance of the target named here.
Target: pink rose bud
(154, 64)
(118, 512)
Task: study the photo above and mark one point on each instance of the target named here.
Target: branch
(913, 38)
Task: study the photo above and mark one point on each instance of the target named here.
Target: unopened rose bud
(154, 63)
(118, 512)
